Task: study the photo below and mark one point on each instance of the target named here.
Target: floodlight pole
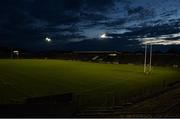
(145, 58)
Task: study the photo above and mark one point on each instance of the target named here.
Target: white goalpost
(149, 44)
(148, 66)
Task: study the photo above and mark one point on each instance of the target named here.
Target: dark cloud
(27, 22)
(141, 11)
(20, 18)
(98, 5)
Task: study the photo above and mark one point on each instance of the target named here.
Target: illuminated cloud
(176, 35)
(162, 40)
(104, 36)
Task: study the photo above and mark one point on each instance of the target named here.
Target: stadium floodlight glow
(103, 36)
(16, 52)
(48, 39)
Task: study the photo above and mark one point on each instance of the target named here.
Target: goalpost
(149, 43)
(148, 66)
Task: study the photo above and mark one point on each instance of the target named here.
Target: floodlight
(48, 39)
(103, 36)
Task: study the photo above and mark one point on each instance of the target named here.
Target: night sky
(78, 24)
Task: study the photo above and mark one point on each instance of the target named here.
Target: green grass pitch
(20, 79)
